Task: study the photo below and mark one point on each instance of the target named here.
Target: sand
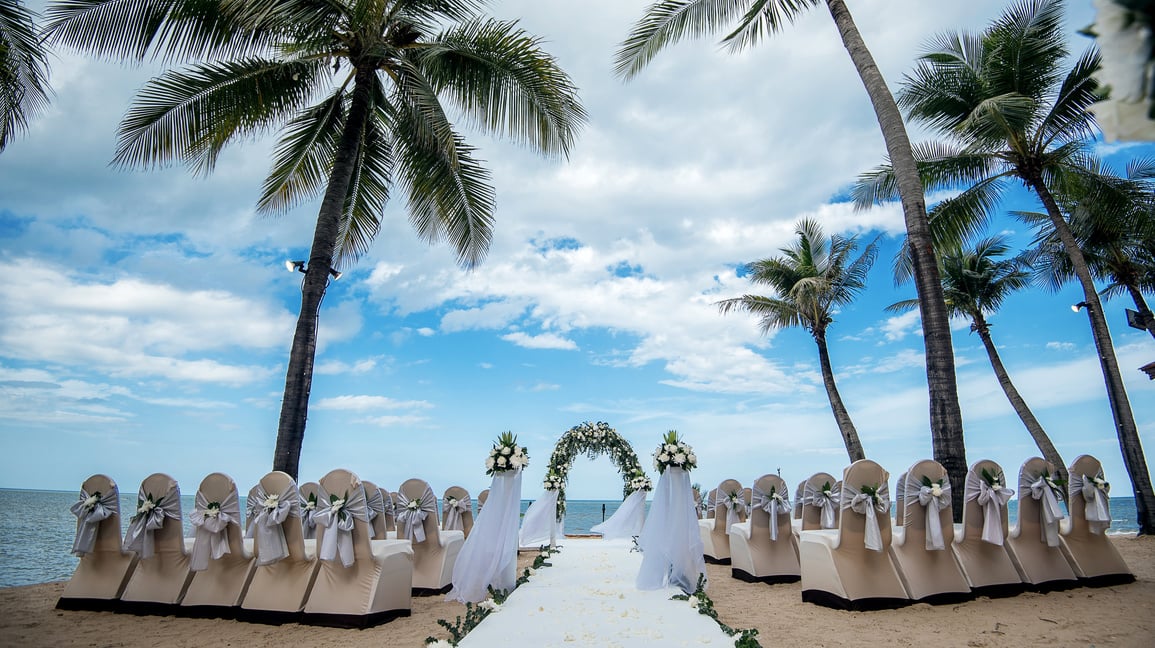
(1111, 616)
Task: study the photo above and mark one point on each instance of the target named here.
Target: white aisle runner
(588, 598)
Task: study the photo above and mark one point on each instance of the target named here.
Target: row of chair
(320, 554)
(838, 537)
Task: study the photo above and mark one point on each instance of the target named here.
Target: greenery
(24, 87)
(592, 440)
(705, 605)
(993, 479)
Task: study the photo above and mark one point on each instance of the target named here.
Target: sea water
(39, 529)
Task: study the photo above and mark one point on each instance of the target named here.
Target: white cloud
(1060, 346)
(338, 367)
(542, 341)
(898, 327)
(362, 403)
(404, 420)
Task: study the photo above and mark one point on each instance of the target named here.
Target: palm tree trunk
(1125, 427)
(841, 416)
(1144, 310)
(299, 376)
(946, 425)
(1032, 424)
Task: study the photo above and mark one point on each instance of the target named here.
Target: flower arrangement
(1054, 483)
(144, 506)
(506, 455)
(934, 486)
(273, 500)
(91, 501)
(871, 492)
(552, 482)
(213, 510)
(827, 489)
(1101, 483)
(675, 453)
(993, 479)
(641, 483)
(450, 501)
(311, 502)
(414, 505)
(592, 440)
(735, 499)
(337, 504)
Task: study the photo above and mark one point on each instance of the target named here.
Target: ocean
(35, 544)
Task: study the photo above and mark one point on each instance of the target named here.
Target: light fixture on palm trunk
(1075, 308)
(299, 266)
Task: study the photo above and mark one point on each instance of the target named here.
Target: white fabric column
(540, 519)
(627, 521)
(670, 541)
(489, 555)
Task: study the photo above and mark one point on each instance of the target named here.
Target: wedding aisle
(588, 598)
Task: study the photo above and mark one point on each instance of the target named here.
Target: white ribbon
(992, 500)
(374, 503)
(826, 501)
(1098, 506)
(774, 505)
(870, 507)
(732, 508)
(308, 522)
(387, 505)
(454, 509)
(265, 521)
(414, 518)
(146, 520)
(1049, 511)
(336, 516)
(915, 493)
(90, 511)
(212, 538)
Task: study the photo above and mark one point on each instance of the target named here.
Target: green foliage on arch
(591, 440)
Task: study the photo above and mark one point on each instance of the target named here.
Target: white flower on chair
(90, 503)
(213, 509)
(414, 505)
(272, 501)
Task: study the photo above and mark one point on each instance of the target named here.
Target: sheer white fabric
(90, 511)
(914, 493)
(826, 501)
(1098, 506)
(211, 540)
(266, 513)
(539, 526)
(774, 505)
(1049, 510)
(454, 509)
(860, 502)
(627, 521)
(336, 513)
(992, 500)
(489, 555)
(150, 516)
(670, 541)
(412, 513)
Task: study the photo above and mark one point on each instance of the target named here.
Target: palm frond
(368, 192)
(763, 19)
(666, 22)
(24, 89)
(1070, 118)
(303, 158)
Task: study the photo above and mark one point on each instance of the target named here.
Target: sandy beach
(1110, 616)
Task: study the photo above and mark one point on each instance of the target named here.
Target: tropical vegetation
(24, 90)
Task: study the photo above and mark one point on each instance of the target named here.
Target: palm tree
(976, 282)
(23, 71)
(1014, 112)
(667, 21)
(812, 278)
(361, 91)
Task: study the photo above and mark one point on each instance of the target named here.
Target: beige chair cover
(104, 568)
(1034, 540)
(375, 586)
(987, 565)
(1084, 541)
(763, 548)
(155, 532)
(375, 504)
(699, 507)
(920, 547)
(838, 568)
(457, 510)
(221, 566)
(434, 550)
(710, 500)
(715, 532)
(481, 497)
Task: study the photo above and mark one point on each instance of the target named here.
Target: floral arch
(591, 440)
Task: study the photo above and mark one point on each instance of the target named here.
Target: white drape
(489, 555)
(539, 526)
(670, 542)
(627, 521)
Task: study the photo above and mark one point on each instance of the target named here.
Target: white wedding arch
(591, 440)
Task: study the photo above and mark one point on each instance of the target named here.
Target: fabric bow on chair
(773, 504)
(308, 519)
(826, 502)
(870, 506)
(149, 516)
(1098, 506)
(266, 513)
(1044, 491)
(992, 499)
(934, 499)
(211, 521)
(337, 517)
(454, 508)
(412, 513)
(90, 511)
(374, 504)
(734, 506)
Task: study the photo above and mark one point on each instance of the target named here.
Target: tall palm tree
(812, 278)
(23, 70)
(668, 21)
(360, 90)
(976, 282)
(1014, 111)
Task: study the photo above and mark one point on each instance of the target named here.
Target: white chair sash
(267, 511)
(933, 499)
(374, 503)
(1046, 494)
(774, 505)
(387, 507)
(992, 500)
(1095, 492)
(308, 522)
(90, 511)
(150, 515)
(211, 528)
(860, 502)
(413, 518)
(827, 502)
(336, 514)
(454, 509)
(733, 507)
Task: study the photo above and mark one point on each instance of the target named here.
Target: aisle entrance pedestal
(670, 543)
(541, 526)
(489, 556)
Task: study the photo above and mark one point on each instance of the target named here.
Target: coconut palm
(1015, 112)
(667, 21)
(812, 278)
(361, 91)
(23, 71)
(976, 282)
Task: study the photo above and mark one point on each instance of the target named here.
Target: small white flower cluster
(1100, 482)
(310, 504)
(90, 503)
(505, 456)
(145, 506)
(489, 604)
(641, 483)
(413, 505)
(552, 482)
(271, 501)
(336, 504)
(213, 510)
(676, 454)
(450, 502)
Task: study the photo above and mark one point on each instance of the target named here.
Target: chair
(308, 493)
(979, 541)
(1084, 539)
(851, 567)
(763, 549)
(711, 498)
(360, 582)
(434, 551)
(481, 497)
(457, 510)
(922, 536)
(390, 513)
(155, 533)
(820, 509)
(285, 568)
(104, 568)
(375, 504)
(698, 504)
(715, 531)
(1033, 542)
(221, 566)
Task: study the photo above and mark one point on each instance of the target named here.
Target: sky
(147, 315)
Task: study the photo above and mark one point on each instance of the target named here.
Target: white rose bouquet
(673, 452)
(506, 455)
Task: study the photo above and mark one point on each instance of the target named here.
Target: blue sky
(147, 314)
